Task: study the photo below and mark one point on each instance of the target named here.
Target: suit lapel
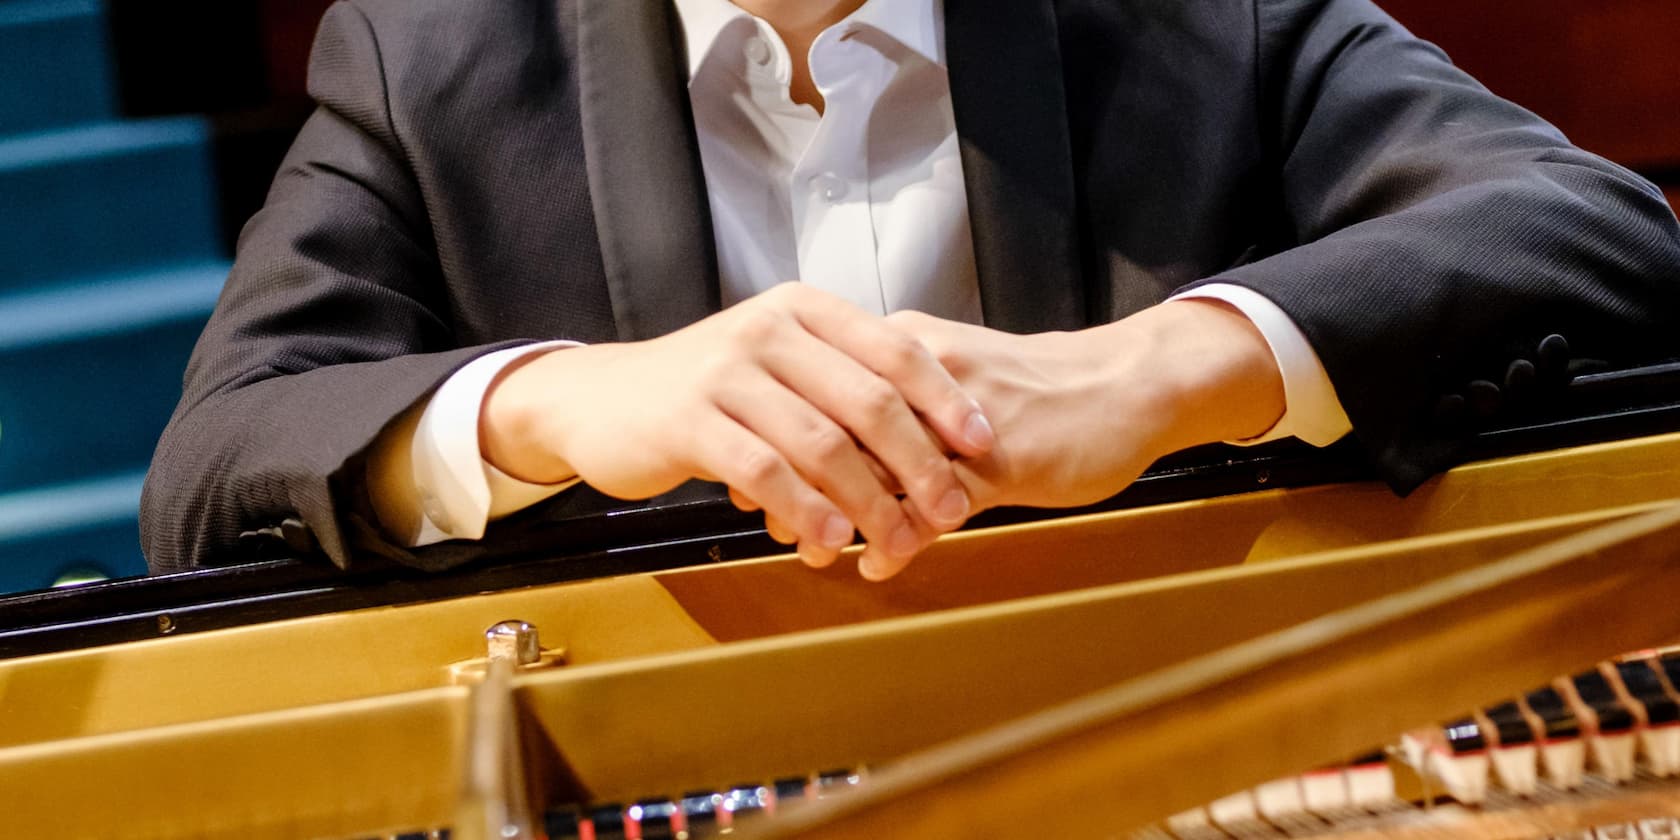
(645, 181)
(1011, 112)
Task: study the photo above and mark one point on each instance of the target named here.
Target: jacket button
(1519, 379)
(1553, 355)
(297, 536)
(1484, 398)
(1449, 411)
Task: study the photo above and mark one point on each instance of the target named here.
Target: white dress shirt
(865, 200)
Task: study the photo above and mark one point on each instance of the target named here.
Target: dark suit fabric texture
(482, 174)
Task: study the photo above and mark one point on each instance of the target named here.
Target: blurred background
(137, 137)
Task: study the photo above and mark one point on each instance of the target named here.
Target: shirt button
(433, 509)
(758, 52)
(829, 186)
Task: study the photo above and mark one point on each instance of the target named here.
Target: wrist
(521, 426)
(1204, 371)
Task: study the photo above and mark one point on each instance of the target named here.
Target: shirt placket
(829, 185)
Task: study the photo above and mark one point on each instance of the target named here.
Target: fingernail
(953, 508)
(904, 541)
(816, 558)
(836, 532)
(871, 565)
(978, 431)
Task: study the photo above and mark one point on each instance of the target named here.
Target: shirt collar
(917, 24)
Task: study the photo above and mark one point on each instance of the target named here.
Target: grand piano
(1256, 644)
(1235, 628)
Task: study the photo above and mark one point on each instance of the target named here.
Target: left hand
(1079, 415)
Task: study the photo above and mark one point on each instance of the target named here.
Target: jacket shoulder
(438, 43)
(422, 60)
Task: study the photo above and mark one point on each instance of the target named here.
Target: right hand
(804, 405)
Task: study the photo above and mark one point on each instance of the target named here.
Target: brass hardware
(514, 642)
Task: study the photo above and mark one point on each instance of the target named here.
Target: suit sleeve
(1432, 234)
(329, 327)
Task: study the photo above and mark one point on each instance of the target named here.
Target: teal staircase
(110, 261)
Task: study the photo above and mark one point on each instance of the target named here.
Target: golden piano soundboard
(1206, 667)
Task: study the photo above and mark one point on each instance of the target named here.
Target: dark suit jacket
(481, 173)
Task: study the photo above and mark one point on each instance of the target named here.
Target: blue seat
(82, 528)
(89, 372)
(110, 262)
(54, 69)
(105, 197)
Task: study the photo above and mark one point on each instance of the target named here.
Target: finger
(737, 457)
(880, 565)
(816, 556)
(773, 526)
(742, 502)
(887, 479)
(920, 522)
(903, 362)
(884, 425)
(778, 531)
(825, 455)
(877, 565)
(978, 478)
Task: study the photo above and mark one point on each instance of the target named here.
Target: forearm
(247, 457)
(1438, 233)
(428, 479)
(518, 421)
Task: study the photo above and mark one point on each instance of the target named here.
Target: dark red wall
(288, 28)
(1605, 71)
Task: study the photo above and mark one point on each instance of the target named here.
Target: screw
(515, 641)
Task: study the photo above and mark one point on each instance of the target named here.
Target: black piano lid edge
(701, 532)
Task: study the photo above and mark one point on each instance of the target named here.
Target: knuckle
(882, 516)
(758, 466)
(932, 478)
(755, 327)
(875, 398)
(901, 354)
(944, 354)
(829, 443)
(810, 513)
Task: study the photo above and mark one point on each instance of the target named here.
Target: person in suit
(1040, 243)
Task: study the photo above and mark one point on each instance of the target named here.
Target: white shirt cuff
(427, 479)
(1311, 411)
